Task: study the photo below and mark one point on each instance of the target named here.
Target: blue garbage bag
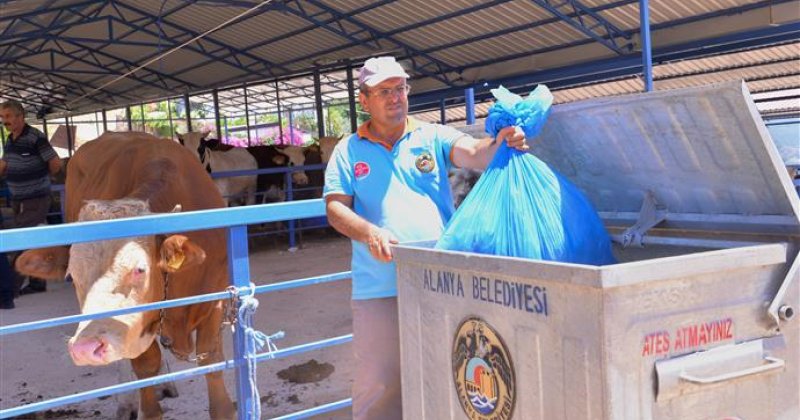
(520, 207)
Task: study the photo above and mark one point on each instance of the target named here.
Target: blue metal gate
(235, 220)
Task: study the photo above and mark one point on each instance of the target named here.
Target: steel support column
(647, 53)
(188, 109)
(469, 93)
(318, 102)
(351, 99)
(215, 95)
(70, 140)
(246, 114)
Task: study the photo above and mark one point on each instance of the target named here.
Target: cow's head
(114, 274)
(326, 146)
(196, 142)
(297, 157)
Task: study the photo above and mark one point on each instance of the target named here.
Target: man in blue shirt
(28, 161)
(384, 184)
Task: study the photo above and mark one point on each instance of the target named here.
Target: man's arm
(54, 165)
(339, 208)
(3, 167)
(476, 154)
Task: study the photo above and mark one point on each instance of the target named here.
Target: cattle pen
(241, 289)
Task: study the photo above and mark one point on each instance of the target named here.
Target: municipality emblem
(425, 162)
(483, 372)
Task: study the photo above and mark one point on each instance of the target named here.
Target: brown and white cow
(234, 159)
(297, 157)
(132, 174)
(326, 146)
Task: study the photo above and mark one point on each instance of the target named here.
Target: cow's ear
(180, 137)
(205, 134)
(279, 159)
(179, 253)
(44, 263)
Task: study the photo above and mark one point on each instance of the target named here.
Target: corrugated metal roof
(769, 72)
(449, 43)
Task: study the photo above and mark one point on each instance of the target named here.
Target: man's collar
(364, 132)
(21, 133)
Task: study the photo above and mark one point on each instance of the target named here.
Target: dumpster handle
(777, 310)
(774, 363)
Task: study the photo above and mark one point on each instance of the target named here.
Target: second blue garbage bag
(520, 207)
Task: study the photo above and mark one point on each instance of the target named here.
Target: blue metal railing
(289, 188)
(44, 236)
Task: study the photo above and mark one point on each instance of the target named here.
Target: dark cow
(130, 174)
(270, 185)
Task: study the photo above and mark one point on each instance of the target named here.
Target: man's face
(386, 102)
(12, 121)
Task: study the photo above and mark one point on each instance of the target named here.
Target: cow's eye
(137, 273)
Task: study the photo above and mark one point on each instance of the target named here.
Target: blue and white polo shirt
(401, 188)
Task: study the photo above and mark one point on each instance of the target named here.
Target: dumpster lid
(704, 152)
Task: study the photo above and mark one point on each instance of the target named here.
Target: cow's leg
(220, 406)
(250, 191)
(128, 402)
(146, 366)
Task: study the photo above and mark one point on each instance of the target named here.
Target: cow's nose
(88, 351)
(300, 178)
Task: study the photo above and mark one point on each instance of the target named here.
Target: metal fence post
(239, 270)
(291, 222)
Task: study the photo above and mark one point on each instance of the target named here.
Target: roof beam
(62, 20)
(6, 16)
(431, 21)
(299, 31)
(524, 27)
(590, 23)
(19, 77)
(27, 99)
(440, 68)
(72, 82)
(267, 65)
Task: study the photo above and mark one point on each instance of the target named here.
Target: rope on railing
(254, 341)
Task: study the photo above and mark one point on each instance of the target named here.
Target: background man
(28, 161)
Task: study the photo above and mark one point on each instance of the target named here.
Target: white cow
(236, 159)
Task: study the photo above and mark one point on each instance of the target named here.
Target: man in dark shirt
(28, 161)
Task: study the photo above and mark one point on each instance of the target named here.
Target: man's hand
(379, 241)
(514, 137)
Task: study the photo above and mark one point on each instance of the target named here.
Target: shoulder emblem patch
(425, 162)
(361, 170)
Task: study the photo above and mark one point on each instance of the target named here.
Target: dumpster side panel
(663, 320)
(551, 330)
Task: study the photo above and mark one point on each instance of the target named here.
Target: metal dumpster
(694, 322)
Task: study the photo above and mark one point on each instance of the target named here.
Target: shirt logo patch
(361, 170)
(425, 163)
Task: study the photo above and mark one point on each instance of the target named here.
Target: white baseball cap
(378, 69)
